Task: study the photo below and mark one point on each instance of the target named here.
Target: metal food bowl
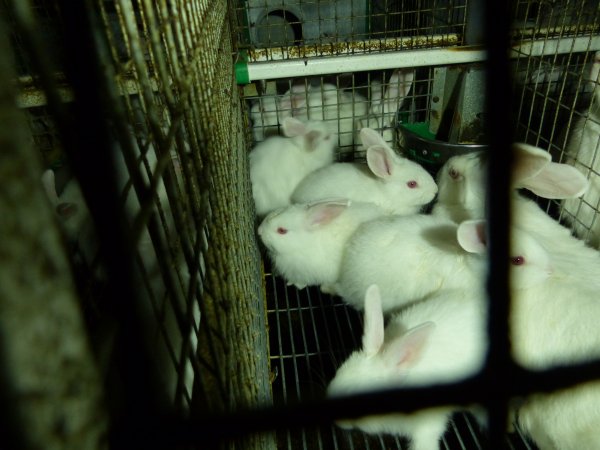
(420, 145)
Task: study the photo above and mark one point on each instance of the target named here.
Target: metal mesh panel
(349, 26)
(311, 334)
(556, 85)
(178, 138)
(342, 101)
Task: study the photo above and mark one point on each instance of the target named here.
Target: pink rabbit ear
(529, 161)
(534, 170)
(321, 214)
(557, 181)
(406, 350)
(293, 127)
(373, 321)
(380, 161)
(370, 137)
(471, 236)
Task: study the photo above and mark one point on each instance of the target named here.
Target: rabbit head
(403, 179)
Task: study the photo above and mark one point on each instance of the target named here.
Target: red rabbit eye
(453, 173)
(282, 230)
(517, 261)
(412, 184)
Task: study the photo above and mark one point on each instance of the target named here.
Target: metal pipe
(247, 72)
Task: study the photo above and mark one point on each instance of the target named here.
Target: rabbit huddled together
(345, 112)
(360, 231)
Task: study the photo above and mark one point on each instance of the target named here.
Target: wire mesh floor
(311, 334)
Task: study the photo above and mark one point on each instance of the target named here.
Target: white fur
(555, 323)
(396, 184)
(310, 252)
(385, 104)
(266, 114)
(439, 340)
(338, 108)
(279, 163)
(582, 151)
(413, 257)
(409, 258)
(461, 188)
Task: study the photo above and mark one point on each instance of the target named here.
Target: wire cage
(142, 114)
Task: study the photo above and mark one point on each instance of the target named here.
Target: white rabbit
(582, 151)
(412, 257)
(462, 181)
(384, 105)
(278, 164)
(555, 323)
(440, 340)
(462, 186)
(396, 184)
(267, 113)
(338, 108)
(408, 257)
(462, 196)
(305, 242)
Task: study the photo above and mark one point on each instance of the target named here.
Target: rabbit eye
(282, 230)
(454, 174)
(412, 184)
(517, 261)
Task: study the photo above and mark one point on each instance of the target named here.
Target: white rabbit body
(565, 420)
(396, 184)
(555, 323)
(439, 340)
(279, 163)
(385, 104)
(583, 152)
(412, 257)
(305, 242)
(338, 108)
(408, 257)
(267, 113)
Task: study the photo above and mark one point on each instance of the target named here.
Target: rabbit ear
(399, 86)
(49, 183)
(406, 350)
(557, 181)
(380, 161)
(373, 321)
(323, 213)
(471, 236)
(534, 170)
(293, 127)
(370, 137)
(312, 139)
(529, 161)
